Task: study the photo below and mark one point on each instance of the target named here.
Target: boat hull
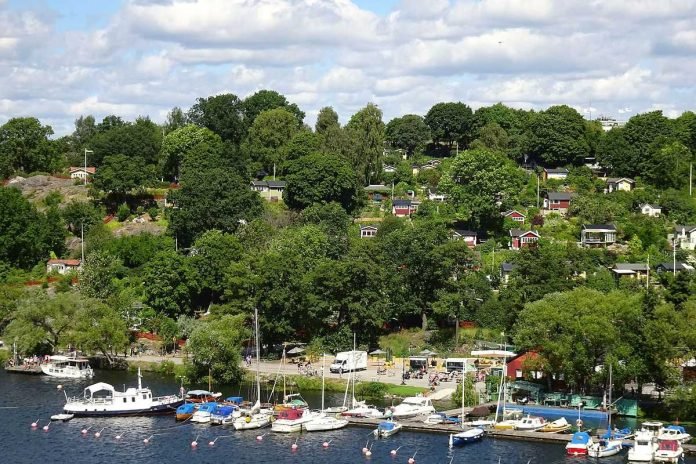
(465, 438)
(325, 424)
(169, 408)
(52, 371)
(253, 423)
(576, 450)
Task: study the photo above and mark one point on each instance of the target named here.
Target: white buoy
(412, 459)
(59, 387)
(98, 434)
(35, 423)
(194, 443)
(84, 431)
(326, 444)
(211, 442)
(368, 453)
(45, 428)
(147, 440)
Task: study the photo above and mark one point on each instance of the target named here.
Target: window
(125, 400)
(133, 399)
(518, 374)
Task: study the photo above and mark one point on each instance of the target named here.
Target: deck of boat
(31, 370)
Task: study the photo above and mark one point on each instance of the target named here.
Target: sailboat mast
(323, 366)
(609, 402)
(258, 355)
(353, 371)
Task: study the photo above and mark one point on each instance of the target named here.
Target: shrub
(123, 212)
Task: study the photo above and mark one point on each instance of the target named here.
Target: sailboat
(358, 408)
(255, 418)
(466, 436)
(608, 445)
(507, 422)
(324, 422)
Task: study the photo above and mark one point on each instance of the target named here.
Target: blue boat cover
(386, 425)
(580, 438)
(678, 428)
(186, 408)
(234, 399)
(224, 410)
(208, 407)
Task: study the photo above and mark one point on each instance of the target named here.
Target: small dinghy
(468, 436)
(62, 417)
(387, 429)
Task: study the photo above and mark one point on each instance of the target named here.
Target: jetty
(24, 369)
(417, 425)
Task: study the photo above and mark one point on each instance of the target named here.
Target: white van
(347, 361)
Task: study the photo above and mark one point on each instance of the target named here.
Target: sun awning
(97, 387)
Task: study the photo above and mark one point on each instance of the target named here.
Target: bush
(371, 390)
(123, 212)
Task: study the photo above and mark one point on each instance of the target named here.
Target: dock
(29, 370)
(417, 425)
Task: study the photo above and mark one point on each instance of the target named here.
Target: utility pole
(647, 280)
(82, 243)
(86, 151)
(691, 176)
(537, 190)
(273, 171)
(674, 257)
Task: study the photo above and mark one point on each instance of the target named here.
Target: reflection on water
(37, 398)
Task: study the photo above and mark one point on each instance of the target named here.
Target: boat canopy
(676, 428)
(668, 445)
(186, 408)
(387, 425)
(234, 399)
(198, 393)
(290, 414)
(62, 358)
(224, 410)
(208, 407)
(580, 438)
(97, 387)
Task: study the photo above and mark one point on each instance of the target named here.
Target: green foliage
(100, 329)
(216, 344)
(123, 212)
(408, 132)
(366, 133)
(681, 402)
(327, 118)
(79, 213)
(97, 279)
(170, 284)
(214, 252)
(141, 139)
(371, 390)
(266, 100)
(465, 391)
(222, 114)
(120, 174)
(558, 136)
(450, 122)
(186, 147)
(269, 136)
(24, 146)
(137, 250)
(321, 178)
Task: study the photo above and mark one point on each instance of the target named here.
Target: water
(36, 397)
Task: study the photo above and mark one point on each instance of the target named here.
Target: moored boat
(131, 402)
(579, 444)
(644, 447)
(557, 426)
(68, 367)
(467, 436)
(252, 420)
(413, 406)
(201, 396)
(363, 410)
(62, 417)
(605, 447)
(185, 411)
(203, 413)
(530, 423)
(668, 450)
(292, 420)
(675, 432)
(654, 428)
(223, 413)
(387, 429)
(325, 422)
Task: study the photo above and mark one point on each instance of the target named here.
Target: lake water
(24, 399)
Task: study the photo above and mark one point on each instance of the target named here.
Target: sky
(60, 59)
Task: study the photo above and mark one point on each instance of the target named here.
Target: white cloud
(618, 57)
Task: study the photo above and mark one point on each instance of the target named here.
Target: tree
(141, 139)
(77, 214)
(408, 132)
(25, 235)
(641, 131)
(179, 146)
(222, 114)
(320, 178)
(303, 143)
(366, 132)
(326, 118)
(24, 146)
(492, 137)
(212, 199)
(593, 208)
(450, 122)
(481, 182)
(558, 136)
(214, 251)
(176, 119)
(513, 121)
(685, 129)
(98, 328)
(269, 136)
(215, 346)
(98, 274)
(120, 174)
(669, 166)
(265, 100)
(85, 129)
(170, 284)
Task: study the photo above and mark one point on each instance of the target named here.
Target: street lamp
(86, 151)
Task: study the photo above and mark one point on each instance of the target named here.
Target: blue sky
(60, 59)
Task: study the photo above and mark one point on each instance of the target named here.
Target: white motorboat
(323, 421)
(223, 414)
(413, 406)
(654, 428)
(530, 423)
(131, 402)
(468, 436)
(254, 420)
(557, 426)
(204, 413)
(605, 447)
(68, 367)
(668, 450)
(361, 409)
(292, 420)
(579, 444)
(387, 429)
(675, 432)
(644, 447)
(62, 417)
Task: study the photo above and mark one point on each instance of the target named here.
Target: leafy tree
(366, 133)
(492, 137)
(685, 129)
(614, 152)
(479, 179)
(179, 147)
(24, 146)
(176, 119)
(321, 178)
(408, 132)
(333, 220)
(110, 122)
(137, 250)
(213, 252)
(669, 166)
(170, 284)
(265, 100)
(326, 118)
(212, 199)
(303, 143)
(25, 237)
(85, 129)
(269, 136)
(679, 206)
(513, 121)
(99, 328)
(120, 174)
(98, 274)
(141, 139)
(222, 114)
(215, 346)
(641, 131)
(450, 122)
(558, 136)
(596, 208)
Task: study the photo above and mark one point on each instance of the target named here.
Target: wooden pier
(417, 425)
(30, 370)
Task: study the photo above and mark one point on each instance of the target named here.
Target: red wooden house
(522, 238)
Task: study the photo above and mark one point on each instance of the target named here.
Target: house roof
(630, 267)
(401, 203)
(368, 226)
(614, 180)
(507, 267)
(259, 183)
(598, 227)
(669, 266)
(556, 170)
(465, 233)
(520, 232)
(679, 228)
(277, 183)
(67, 262)
(563, 196)
(508, 213)
(90, 169)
